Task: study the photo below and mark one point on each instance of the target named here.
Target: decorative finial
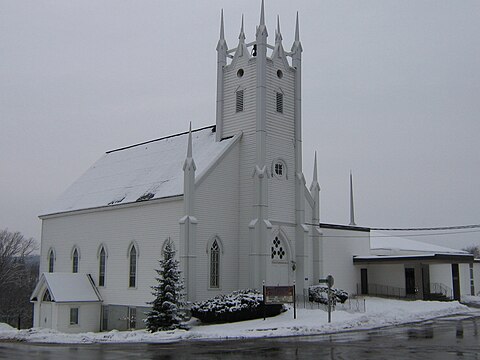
(352, 212)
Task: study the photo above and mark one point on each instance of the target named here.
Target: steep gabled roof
(67, 287)
(146, 171)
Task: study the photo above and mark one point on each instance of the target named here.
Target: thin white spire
(278, 34)
(297, 29)
(242, 33)
(262, 14)
(352, 211)
(222, 28)
(189, 148)
(315, 168)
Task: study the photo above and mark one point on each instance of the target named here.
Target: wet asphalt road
(447, 338)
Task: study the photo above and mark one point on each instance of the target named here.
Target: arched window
(214, 265)
(102, 265)
(75, 261)
(133, 267)
(51, 261)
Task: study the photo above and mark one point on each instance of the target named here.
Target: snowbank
(5, 327)
(379, 313)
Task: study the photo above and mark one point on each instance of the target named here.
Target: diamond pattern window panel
(215, 265)
(239, 101)
(279, 102)
(278, 250)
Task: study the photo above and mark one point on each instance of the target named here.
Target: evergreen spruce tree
(168, 303)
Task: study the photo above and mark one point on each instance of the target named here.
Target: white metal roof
(67, 287)
(151, 170)
(380, 241)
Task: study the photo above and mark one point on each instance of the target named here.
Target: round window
(279, 169)
(240, 73)
(279, 74)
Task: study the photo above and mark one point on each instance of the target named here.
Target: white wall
(88, 317)
(149, 224)
(217, 212)
(339, 247)
(386, 274)
(442, 274)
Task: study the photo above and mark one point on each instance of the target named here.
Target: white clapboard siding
(148, 224)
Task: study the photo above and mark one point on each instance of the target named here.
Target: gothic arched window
(75, 261)
(214, 265)
(51, 261)
(133, 267)
(102, 266)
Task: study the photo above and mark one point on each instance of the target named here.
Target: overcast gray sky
(391, 90)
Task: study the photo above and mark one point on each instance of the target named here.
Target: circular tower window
(279, 74)
(240, 73)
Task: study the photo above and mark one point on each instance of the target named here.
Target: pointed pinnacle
(297, 30)
(242, 33)
(222, 31)
(352, 210)
(315, 168)
(278, 34)
(262, 14)
(189, 148)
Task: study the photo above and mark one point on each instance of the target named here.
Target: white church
(233, 199)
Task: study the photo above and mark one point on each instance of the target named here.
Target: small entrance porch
(426, 277)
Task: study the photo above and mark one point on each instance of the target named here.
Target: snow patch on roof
(151, 170)
(381, 241)
(67, 287)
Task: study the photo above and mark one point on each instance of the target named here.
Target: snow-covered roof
(380, 241)
(67, 287)
(145, 171)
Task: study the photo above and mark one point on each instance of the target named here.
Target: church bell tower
(259, 94)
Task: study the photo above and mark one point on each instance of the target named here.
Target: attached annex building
(232, 197)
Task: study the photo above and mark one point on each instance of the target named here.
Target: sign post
(329, 281)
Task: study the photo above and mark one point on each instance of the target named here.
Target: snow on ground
(379, 313)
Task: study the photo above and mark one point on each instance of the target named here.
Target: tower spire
(189, 147)
(315, 187)
(278, 34)
(262, 14)
(222, 27)
(297, 45)
(352, 214)
(242, 33)
(297, 29)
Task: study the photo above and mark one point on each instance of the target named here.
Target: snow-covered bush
(319, 293)
(237, 306)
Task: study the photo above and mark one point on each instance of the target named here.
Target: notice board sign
(279, 295)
